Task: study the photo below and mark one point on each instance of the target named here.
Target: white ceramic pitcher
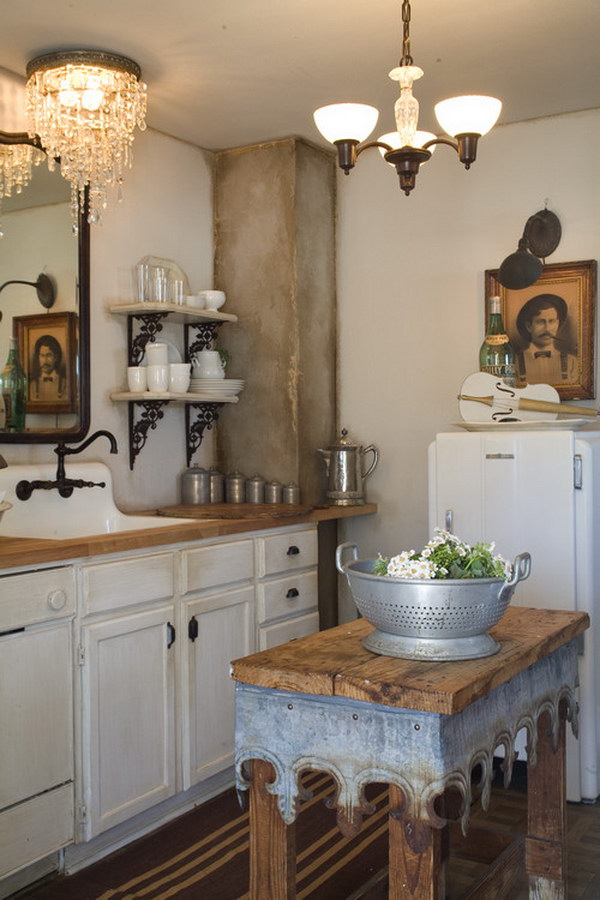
(208, 364)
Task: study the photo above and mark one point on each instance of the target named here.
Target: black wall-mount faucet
(65, 486)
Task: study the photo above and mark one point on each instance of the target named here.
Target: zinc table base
(422, 756)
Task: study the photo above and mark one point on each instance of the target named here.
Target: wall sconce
(84, 106)
(541, 236)
(44, 286)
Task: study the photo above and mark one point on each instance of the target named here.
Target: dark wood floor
(508, 812)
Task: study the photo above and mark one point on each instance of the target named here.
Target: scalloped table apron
(325, 703)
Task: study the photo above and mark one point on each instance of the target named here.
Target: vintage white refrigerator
(535, 490)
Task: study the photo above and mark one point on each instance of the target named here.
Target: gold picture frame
(569, 290)
(48, 349)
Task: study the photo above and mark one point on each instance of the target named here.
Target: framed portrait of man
(48, 349)
(551, 326)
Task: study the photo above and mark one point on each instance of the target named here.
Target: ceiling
(225, 73)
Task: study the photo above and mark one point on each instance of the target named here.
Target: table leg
(272, 842)
(416, 856)
(545, 853)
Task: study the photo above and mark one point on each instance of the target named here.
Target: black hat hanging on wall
(541, 237)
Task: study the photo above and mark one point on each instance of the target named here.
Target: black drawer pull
(193, 628)
(293, 550)
(293, 592)
(170, 635)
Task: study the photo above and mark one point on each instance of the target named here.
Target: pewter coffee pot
(344, 466)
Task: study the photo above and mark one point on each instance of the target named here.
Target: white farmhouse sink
(86, 512)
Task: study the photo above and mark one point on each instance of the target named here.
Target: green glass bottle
(497, 355)
(13, 385)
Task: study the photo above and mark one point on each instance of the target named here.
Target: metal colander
(430, 619)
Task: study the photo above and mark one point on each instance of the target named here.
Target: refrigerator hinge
(577, 472)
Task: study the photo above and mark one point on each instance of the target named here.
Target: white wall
(411, 292)
(166, 211)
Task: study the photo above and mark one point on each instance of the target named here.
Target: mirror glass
(38, 239)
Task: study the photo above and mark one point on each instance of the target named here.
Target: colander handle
(521, 571)
(340, 550)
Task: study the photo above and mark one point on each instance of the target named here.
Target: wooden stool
(325, 703)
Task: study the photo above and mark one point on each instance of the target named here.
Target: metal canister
(216, 486)
(291, 493)
(235, 487)
(273, 492)
(195, 485)
(255, 489)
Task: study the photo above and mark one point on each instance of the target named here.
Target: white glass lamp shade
(346, 121)
(471, 114)
(393, 139)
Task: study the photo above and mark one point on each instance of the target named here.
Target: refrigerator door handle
(578, 472)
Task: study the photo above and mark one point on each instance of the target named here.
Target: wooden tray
(236, 510)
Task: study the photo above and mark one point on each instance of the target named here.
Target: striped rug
(203, 855)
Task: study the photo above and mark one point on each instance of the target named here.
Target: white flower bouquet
(445, 556)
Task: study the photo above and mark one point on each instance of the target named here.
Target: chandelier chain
(407, 59)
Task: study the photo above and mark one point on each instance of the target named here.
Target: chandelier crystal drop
(16, 167)
(84, 105)
(464, 119)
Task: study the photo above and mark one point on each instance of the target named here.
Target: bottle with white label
(497, 355)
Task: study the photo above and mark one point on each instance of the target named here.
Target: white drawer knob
(57, 599)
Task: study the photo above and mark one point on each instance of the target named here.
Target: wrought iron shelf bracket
(152, 413)
(150, 325)
(206, 334)
(198, 417)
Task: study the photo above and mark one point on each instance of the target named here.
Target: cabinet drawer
(286, 552)
(36, 597)
(287, 596)
(128, 582)
(36, 828)
(272, 635)
(217, 564)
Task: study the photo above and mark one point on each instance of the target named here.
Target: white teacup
(213, 299)
(136, 379)
(179, 377)
(208, 364)
(158, 379)
(157, 354)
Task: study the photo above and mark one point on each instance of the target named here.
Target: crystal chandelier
(465, 119)
(84, 106)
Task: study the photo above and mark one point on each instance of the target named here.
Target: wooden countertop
(335, 663)
(23, 551)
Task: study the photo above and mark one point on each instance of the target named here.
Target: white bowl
(213, 299)
(194, 300)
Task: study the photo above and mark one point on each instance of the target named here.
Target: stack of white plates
(222, 387)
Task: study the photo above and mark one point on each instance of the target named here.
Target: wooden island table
(325, 703)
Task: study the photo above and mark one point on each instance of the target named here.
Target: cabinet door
(128, 730)
(222, 630)
(36, 712)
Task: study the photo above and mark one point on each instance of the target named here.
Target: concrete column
(275, 259)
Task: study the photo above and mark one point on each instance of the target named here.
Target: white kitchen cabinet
(141, 657)
(129, 709)
(127, 660)
(36, 716)
(219, 624)
(287, 590)
(223, 625)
